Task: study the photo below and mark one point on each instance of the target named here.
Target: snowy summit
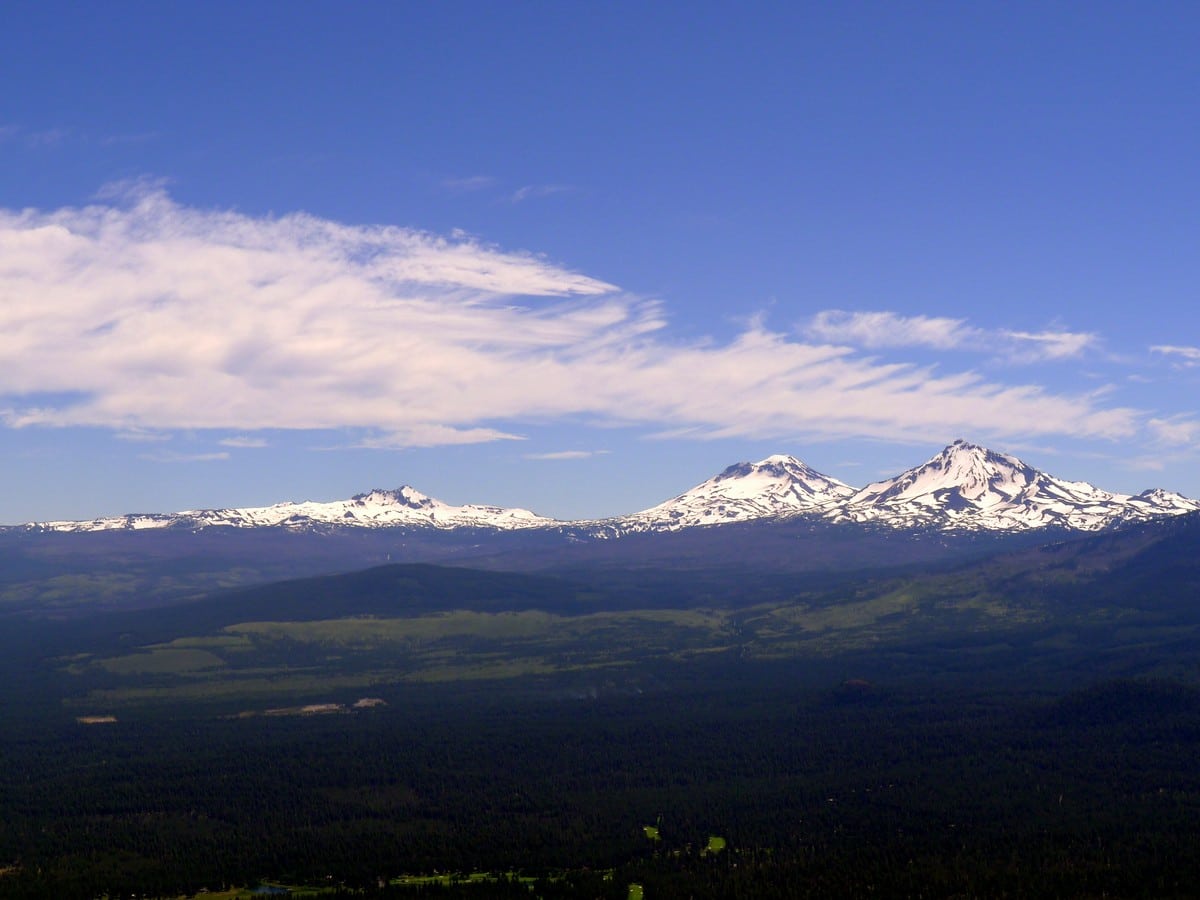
(969, 487)
(403, 507)
(965, 487)
(776, 487)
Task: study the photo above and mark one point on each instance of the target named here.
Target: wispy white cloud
(1175, 430)
(1173, 440)
(566, 454)
(185, 457)
(876, 330)
(138, 314)
(1035, 346)
(827, 391)
(34, 139)
(245, 442)
(1183, 357)
(539, 190)
(48, 137)
(888, 329)
(426, 434)
(142, 437)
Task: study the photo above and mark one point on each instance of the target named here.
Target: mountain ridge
(778, 486)
(971, 487)
(377, 508)
(965, 487)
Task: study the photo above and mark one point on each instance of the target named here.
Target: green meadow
(294, 660)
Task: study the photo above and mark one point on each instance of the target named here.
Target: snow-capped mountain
(375, 509)
(968, 487)
(965, 487)
(775, 487)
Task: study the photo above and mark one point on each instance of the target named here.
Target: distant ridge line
(964, 487)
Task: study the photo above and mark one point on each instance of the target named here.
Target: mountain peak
(780, 459)
(963, 487)
(961, 449)
(404, 507)
(404, 495)
(778, 486)
(966, 486)
(779, 466)
(962, 476)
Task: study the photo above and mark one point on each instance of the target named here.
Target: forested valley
(858, 790)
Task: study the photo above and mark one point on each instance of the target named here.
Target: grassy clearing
(161, 662)
(370, 632)
(286, 662)
(281, 688)
(461, 878)
(222, 643)
(495, 671)
(298, 661)
(839, 617)
(69, 591)
(245, 893)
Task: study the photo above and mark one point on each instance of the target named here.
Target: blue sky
(580, 257)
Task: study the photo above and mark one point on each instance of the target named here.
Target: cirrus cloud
(889, 329)
(244, 442)
(878, 330)
(1035, 346)
(185, 457)
(142, 315)
(1183, 357)
(1176, 430)
(555, 455)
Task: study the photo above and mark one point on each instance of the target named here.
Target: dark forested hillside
(51, 574)
(817, 793)
(1026, 724)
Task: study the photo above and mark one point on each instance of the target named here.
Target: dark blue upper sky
(578, 257)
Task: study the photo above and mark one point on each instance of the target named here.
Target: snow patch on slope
(403, 507)
(776, 487)
(968, 487)
(965, 487)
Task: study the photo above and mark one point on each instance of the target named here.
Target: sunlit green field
(291, 661)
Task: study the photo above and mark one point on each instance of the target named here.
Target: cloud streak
(531, 191)
(875, 330)
(141, 315)
(244, 442)
(1175, 431)
(878, 330)
(1183, 357)
(185, 457)
(565, 454)
(1049, 345)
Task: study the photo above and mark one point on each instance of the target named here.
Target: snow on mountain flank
(965, 487)
(968, 487)
(404, 506)
(776, 487)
